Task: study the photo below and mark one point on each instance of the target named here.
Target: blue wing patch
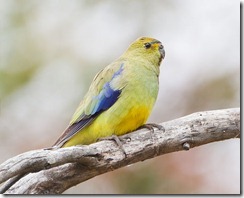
(108, 96)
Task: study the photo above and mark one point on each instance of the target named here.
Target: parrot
(120, 97)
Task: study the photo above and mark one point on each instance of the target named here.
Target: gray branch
(48, 171)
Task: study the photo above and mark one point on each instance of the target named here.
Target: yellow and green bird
(121, 96)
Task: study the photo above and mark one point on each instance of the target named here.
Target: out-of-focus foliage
(51, 50)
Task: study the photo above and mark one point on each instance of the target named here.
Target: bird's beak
(161, 50)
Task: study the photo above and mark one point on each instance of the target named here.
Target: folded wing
(100, 97)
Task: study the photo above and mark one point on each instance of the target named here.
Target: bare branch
(54, 171)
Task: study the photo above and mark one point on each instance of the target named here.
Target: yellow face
(148, 48)
(152, 44)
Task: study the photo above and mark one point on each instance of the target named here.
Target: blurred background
(51, 50)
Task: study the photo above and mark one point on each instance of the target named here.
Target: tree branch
(53, 171)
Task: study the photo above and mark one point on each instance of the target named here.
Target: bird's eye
(147, 45)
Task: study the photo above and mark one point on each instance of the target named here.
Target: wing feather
(100, 97)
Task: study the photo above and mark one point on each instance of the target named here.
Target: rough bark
(53, 171)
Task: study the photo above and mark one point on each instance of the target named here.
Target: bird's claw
(117, 140)
(151, 125)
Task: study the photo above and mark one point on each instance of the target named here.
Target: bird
(120, 98)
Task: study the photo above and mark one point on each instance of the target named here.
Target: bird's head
(147, 48)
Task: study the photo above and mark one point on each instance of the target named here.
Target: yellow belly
(132, 120)
(107, 124)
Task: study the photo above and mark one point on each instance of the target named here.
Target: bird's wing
(100, 97)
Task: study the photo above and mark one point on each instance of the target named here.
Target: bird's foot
(150, 126)
(117, 140)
